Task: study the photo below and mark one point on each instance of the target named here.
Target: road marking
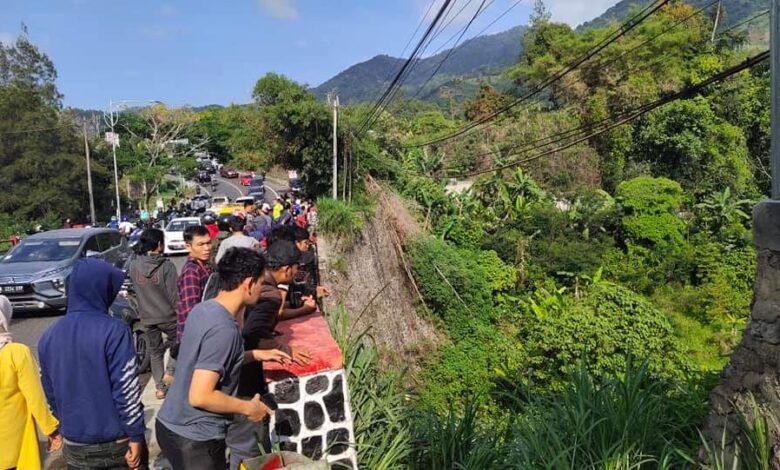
(240, 191)
(272, 190)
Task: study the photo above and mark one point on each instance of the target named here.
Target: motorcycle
(125, 308)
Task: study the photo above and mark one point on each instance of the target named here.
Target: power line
(449, 53)
(545, 141)
(402, 72)
(624, 29)
(685, 93)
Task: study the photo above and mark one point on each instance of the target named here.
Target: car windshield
(219, 200)
(180, 225)
(43, 250)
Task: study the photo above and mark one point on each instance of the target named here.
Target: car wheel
(142, 352)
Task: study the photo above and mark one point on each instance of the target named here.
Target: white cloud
(281, 9)
(7, 38)
(575, 12)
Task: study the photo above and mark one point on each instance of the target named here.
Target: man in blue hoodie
(90, 375)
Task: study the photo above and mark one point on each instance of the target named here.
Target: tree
(296, 129)
(158, 151)
(488, 101)
(42, 165)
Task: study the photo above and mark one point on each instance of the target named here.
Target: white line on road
(240, 191)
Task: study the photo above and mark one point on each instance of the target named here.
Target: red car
(228, 173)
(245, 179)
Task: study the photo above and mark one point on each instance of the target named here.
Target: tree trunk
(754, 367)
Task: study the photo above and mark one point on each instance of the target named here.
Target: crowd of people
(216, 319)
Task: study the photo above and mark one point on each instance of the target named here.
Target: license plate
(11, 289)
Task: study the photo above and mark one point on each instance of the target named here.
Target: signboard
(112, 138)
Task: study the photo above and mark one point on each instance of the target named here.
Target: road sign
(112, 138)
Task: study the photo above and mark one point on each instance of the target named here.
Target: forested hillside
(733, 12)
(593, 278)
(482, 56)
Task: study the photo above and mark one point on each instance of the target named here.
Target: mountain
(733, 11)
(483, 56)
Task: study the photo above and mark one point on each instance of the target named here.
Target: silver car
(34, 274)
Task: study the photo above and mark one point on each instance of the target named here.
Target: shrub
(649, 207)
(602, 329)
(342, 220)
(377, 400)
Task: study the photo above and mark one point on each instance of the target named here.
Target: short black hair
(248, 203)
(238, 264)
(150, 239)
(237, 224)
(300, 233)
(282, 232)
(195, 231)
(282, 253)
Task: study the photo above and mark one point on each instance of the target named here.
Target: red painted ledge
(312, 334)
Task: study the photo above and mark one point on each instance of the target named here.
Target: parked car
(208, 166)
(203, 177)
(241, 200)
(34, 274)
(258, 193)
(245, 180)
(174, 234)
(295, 186)
(228, 173)
(219, 201)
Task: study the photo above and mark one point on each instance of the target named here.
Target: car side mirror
(91, 254)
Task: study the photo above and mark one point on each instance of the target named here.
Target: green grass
(343, 221)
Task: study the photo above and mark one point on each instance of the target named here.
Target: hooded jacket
(154, 281)
(88, 365)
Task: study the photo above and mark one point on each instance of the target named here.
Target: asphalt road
(27, 328)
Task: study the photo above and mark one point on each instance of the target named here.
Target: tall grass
(628, 423)
(343, 221)
(632, 422)
(378, 403)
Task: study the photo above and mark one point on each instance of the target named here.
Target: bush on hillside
(609, 324)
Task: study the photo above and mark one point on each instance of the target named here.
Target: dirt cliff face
(371, 280)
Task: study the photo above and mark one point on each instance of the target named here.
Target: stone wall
(314, 417)
(754, 366)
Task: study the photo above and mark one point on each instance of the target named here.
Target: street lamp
(111, 119)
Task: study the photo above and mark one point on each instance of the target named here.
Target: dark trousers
(157, 346)
(186, 454)
(105, 456)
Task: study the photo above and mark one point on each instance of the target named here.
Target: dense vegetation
(588, 298)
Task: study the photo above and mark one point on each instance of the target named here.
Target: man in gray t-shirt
(213, 343)
(193, 421)
(237, 239)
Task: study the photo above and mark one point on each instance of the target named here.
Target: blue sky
(198, 52)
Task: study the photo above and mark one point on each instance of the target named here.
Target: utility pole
(774, 57)
(112, 123)
(335, 104)
(89, 179)
(717, 20)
